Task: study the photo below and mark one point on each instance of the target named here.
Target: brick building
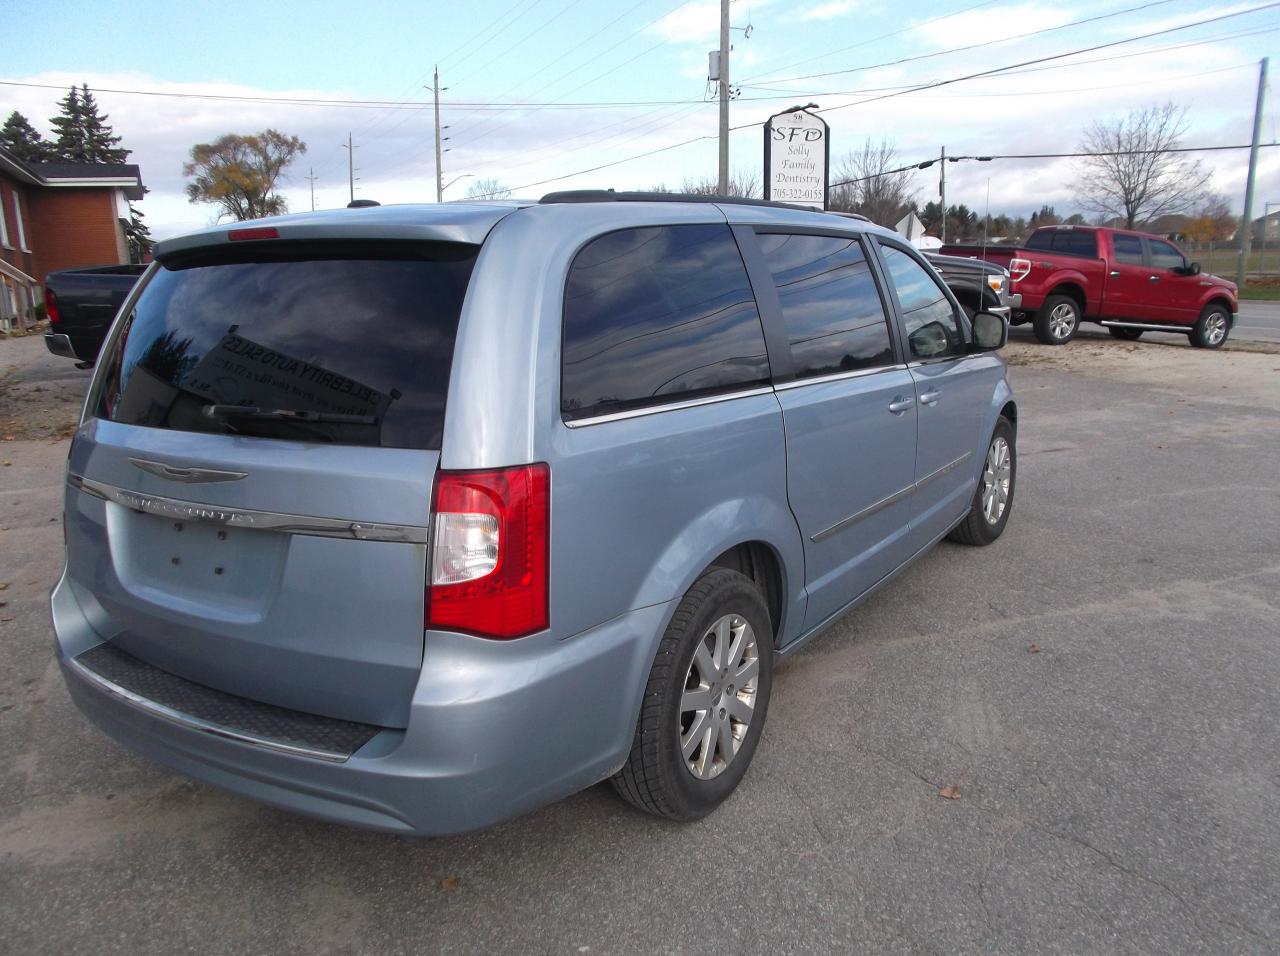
(58, 216)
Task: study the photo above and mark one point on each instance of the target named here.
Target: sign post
(797, 157)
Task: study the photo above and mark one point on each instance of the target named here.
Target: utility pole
(1246, 223)
(312, 179)
(942, 190)
(351, 148)
(435, 88)
(724, 97)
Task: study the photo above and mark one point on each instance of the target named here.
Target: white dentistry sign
(797, 154)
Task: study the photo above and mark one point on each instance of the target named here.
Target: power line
(875, 39)
(1076, 155)
(917, 88)
(975, 46)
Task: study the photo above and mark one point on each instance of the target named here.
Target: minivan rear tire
(658, 776)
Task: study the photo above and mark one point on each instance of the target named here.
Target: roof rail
(363, 203)
(609, 195)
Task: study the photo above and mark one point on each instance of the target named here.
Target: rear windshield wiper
(286, 415)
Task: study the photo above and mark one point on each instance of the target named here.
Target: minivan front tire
(993, 498)
(705, 701)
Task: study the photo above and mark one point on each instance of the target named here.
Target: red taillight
(489, 552)
(1019, 269)
(51, 307)
(263, 232)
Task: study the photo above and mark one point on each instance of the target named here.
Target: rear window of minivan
(348, 345)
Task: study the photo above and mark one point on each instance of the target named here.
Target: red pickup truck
(1130, 282)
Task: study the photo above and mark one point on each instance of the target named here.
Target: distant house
(1267, 228)
(58, 216)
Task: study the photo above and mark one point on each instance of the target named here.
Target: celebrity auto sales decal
(797, 151)
(240, 369)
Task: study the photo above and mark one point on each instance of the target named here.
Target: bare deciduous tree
(239, 173)
(1132, 172)
(488, 189)
(742, 182)
(874, 187)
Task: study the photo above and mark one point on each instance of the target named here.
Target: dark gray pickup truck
(81, 304)
(980, 286)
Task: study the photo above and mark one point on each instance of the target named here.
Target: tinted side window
(833, 313)
(1075, 243)
(1128, 249)
(1040, 240)
(655, 315)
(1165, 256)
(932, 327)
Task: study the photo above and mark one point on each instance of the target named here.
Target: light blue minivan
(420, 517)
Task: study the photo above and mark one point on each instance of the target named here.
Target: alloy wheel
(1062, 320)
(719, 696)
(1215, 328)
(996, 477)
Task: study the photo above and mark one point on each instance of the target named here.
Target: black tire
(1212, 328)
(1128, 335)
(656, 777)
(1054, 312)
(976, 529)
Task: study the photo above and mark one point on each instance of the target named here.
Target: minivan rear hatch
(249, 494)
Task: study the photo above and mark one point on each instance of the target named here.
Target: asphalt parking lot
(1102, 686)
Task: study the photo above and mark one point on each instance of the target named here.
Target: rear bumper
(496, 729)
(82, 347)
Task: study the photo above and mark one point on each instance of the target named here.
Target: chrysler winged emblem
(187, 475)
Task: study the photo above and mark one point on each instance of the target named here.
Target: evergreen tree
(137, 235)
(68, 128)
(22, 139)
(101, 145)
(83, 134)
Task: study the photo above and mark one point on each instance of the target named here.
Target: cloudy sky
(556, 94)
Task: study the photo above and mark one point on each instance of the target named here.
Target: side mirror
(1192, 270)
(990, 332)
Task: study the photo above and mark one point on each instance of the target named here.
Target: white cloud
(699, 21)
(829, 11)
(985, 24)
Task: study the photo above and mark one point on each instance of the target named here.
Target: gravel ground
(1100, 687)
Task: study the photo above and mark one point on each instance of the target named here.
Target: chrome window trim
(666, 407)
(245, 518)
(838, 376)
(148, 706)
(885, 502)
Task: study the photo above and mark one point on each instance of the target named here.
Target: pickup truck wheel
(1212, 328)
(1058, 320)
(1129, 335)
(705, 702)
(993, 499)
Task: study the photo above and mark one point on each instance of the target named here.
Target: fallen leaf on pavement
(1161, 445)
(950, 793)
(449, 883)
(1033, 648)
(4, 585)
(7, 463)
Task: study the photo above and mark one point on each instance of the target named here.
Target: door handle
(930, 398)
(1155, 278)
(1115, 274)
(900, 404)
